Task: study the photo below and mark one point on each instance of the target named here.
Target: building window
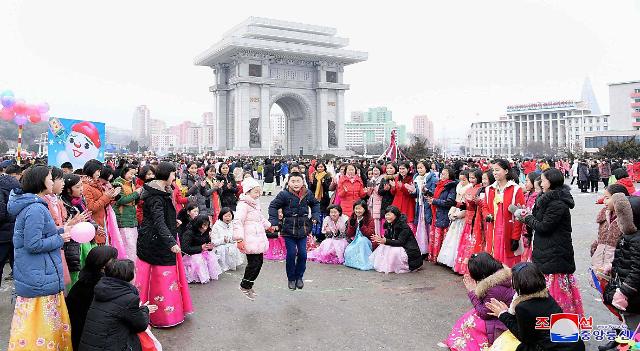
(332, 77)
(255, 70)
(637, 90)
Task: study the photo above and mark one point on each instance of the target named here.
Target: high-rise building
(278, 126)
(140, 124)
(624, 105)
(207, 118)
(156, 126)
(423, 127)
(163, 143)
(373, 126)
(555, 125)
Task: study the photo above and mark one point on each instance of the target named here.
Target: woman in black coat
(553, 249)
(81, 294)
(115, 317)
(193, 239)
(384, 189)
(228, 188)
(398, 234)
(157, 269)
(322, 193)
(533, 302)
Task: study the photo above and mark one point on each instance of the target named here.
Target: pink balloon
(20, 120)
(44, 117)
(35, 119)
(43, 107)
(24, 154)
(83, 232)
(7, 114)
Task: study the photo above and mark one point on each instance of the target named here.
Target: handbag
(148, 341)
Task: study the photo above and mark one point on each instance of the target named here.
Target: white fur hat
(248, 184)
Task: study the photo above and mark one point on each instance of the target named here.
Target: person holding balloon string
(75, 205)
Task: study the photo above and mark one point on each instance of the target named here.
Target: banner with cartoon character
(75, 141)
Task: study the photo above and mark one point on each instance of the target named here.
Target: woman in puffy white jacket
(229, 257)
(249, 229)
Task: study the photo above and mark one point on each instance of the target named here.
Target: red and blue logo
(565, 327)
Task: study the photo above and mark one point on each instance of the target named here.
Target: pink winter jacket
(249, 225)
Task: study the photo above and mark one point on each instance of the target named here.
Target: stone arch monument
(299, 67)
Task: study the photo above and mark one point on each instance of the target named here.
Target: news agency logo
(564, 327)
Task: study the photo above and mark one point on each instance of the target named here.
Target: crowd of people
(505, 226)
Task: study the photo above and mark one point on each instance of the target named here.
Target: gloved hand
(620, 300)
(515, 244)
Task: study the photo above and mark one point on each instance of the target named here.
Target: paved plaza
(341, 308)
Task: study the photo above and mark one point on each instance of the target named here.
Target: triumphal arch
(299, 67)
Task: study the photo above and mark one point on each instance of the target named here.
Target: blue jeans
(296, 248)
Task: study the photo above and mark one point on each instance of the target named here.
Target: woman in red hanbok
(503, 231)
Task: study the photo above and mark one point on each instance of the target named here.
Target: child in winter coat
(229, 257)
(201, 265)
(116, 316)
(609, 233)
(249, 228)
(488, 279)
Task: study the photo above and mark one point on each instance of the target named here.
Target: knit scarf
(319, 189)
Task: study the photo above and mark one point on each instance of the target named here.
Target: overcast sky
(456, 61)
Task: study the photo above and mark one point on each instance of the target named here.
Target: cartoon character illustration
(56, 128)
(82, 144)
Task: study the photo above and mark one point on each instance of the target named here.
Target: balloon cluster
(18, 111)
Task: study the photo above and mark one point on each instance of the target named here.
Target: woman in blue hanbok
(360, 230)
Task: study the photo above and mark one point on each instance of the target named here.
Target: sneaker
(441, 344)
(9, 277)
(292, 285)
(299, 284)
(247, 293)
(253, 292)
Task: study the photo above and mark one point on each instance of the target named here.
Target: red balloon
(35, 119)
(7, 114)
(20, 107)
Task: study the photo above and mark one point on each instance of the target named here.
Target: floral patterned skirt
(40, 323)
(564, 289)
(468, 334)
(166, 287)
(436, 236)
(277, 250)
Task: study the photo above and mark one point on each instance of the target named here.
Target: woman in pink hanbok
(160, 273)
(476, 330)
(532, 188)
(468, 241)
(334, 227)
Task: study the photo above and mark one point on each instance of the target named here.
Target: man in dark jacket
(269, 173)
(276, 169)
(295, 202)
(116, 316)
(8, 182)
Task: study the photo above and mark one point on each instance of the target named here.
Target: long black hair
(482, 265)
(96, 260)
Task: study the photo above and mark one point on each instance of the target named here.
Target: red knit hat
(88, 129)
